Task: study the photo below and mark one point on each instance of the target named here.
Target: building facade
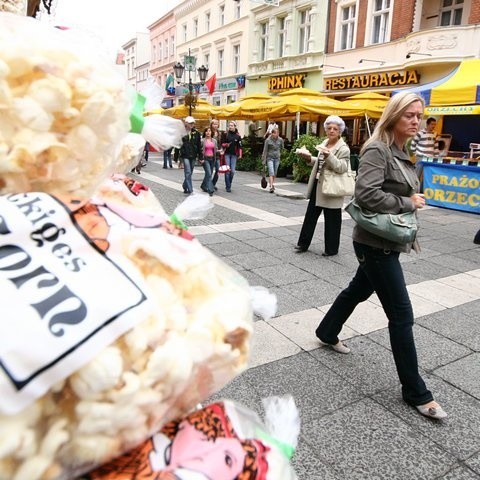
(287, 46)
(137, 59)
(387, 45)
(384, 45)
(216, 34)
(163, 49)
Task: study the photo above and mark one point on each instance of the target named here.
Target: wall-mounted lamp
(409, 54)
(333, 66)
(381, 62)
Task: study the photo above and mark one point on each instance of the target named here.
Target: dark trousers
(216, 167)
(167, 158)
(380, 271)
(332, 228)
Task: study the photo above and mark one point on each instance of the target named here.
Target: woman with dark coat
(232, 146)
(382, 187)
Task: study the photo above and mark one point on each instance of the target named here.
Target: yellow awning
(460, 87)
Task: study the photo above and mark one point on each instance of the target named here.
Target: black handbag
(263, 181)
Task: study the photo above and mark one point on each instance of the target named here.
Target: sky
(113, 21)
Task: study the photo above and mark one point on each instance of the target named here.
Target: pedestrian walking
(190, 152)
(146, 151)
(142, 160)
(232, 146)
(271, 125)
(424, 144)
(272, 151)
(217, 135)
(167, 158)
(209, 150)
(334, 155)
(381, 187)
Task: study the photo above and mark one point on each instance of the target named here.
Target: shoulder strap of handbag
(405, 174)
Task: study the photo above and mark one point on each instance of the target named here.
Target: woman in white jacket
(334, 154)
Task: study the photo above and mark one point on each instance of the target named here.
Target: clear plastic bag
(64, 111)
(153, 325)
(196, 446)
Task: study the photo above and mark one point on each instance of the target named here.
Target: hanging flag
(169, 82)
(210, 83)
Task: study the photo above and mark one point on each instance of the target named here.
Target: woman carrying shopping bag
(272, 151)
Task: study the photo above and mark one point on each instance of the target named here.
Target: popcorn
(63, 113)
(190, 341)
(19, 7)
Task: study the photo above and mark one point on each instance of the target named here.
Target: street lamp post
(189, 65)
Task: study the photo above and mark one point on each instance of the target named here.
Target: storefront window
(451, 13)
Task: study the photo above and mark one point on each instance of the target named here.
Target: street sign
(189, 62)
(272, 3)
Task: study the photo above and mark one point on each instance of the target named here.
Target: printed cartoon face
(220, 458)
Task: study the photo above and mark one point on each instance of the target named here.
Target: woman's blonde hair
(392, 113)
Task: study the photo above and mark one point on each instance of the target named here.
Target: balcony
(310, 61)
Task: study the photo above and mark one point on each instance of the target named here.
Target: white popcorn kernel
(56, 436)
(31, 114)
(102, 373)
(33, 468)
(51, 92)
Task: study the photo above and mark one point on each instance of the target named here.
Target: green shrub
(300, 169)
(286, 167)
(250, 160)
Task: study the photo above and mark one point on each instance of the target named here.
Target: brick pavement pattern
(354, 422)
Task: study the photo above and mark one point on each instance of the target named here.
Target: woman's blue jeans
(231, 161)
(208, 166)
(188, 165)
(380, 271)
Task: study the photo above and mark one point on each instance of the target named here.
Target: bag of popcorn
(223, 440)
(117, 322)
(65, 113)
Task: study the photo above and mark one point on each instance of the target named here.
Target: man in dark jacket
(190, 151)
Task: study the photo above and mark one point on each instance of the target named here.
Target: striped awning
(460, 87)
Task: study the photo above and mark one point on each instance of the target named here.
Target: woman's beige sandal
(435, 412)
